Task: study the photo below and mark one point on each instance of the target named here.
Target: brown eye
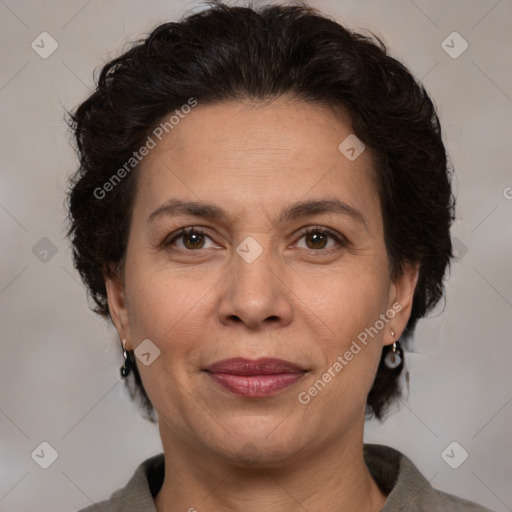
(318, 238)
(193, 239)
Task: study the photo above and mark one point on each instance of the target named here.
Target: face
(250, 283)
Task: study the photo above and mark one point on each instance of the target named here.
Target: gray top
(406, 488)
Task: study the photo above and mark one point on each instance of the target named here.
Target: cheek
(347, 300)
(350, 305)
(170, 312)
(161, 299)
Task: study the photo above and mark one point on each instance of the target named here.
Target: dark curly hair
(239, 53)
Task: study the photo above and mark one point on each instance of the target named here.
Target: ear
(400, 301)
(118, 308)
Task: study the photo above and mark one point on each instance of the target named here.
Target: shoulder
(137, 494)
(406, 488)
(449, 502)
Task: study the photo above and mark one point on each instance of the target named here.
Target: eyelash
(340, 239)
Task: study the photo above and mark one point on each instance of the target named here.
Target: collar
(406, 488)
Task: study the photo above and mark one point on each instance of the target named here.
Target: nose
(256, 294)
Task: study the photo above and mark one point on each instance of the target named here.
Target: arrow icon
(147, 352)
(44, 45)
(351, 147)
(249, 252)
(44, 250)
(454, 455)
(454, 45)
(44, 455)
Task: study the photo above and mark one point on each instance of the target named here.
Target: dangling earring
(125, 369)
(393, 358)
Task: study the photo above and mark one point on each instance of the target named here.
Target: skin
(301, 300)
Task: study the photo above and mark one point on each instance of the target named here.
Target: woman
(263, 209)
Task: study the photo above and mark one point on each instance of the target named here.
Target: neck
(330, 479)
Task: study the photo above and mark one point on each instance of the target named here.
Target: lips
(248, 367)
(255, 379)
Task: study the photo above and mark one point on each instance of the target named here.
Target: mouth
(255, 378)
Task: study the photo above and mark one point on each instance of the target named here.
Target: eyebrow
(293, 211)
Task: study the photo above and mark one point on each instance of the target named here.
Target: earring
(125, 369)
(393, 358)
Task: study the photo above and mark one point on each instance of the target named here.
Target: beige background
(59, 374)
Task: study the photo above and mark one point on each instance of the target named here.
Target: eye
(318, 237)
(193, 239)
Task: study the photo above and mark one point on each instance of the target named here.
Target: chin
(258, 447)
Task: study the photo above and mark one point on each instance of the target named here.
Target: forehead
(243, 156)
